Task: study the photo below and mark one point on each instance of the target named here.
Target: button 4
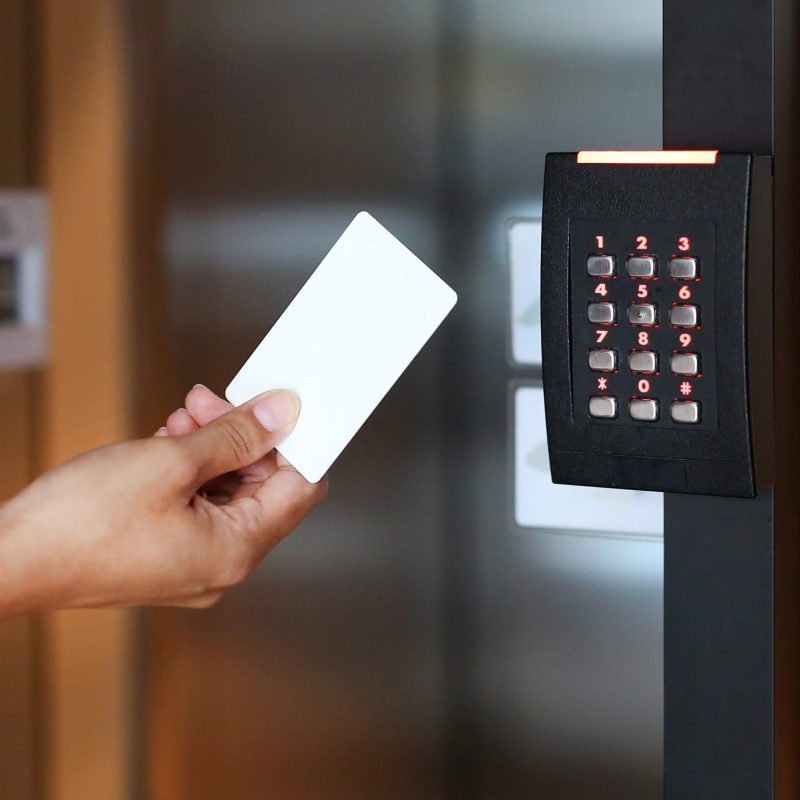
(601, 266)
(603, 407)
(602, 360)
(643, 409)
(684, 316)
(641, 266)
(683, 268)
(685, 411)
(602, 313)
(643, 361)
(642, 314)
(684, 363)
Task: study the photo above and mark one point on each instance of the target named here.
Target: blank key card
(352, 330)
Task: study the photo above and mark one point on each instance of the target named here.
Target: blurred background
(448, 625)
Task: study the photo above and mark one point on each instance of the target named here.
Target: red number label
(683, 243)
(641, 290)
(601, 242)
(601, 289)
(641, 243)
(685, 339)
(684, 293)
(601, 335)
(644, 386)
(644, 337)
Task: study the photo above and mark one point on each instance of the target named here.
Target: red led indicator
(602, 383)
(648, 156)
(685, 388)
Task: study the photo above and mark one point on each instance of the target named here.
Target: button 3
(683, 268)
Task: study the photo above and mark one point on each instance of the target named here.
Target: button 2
(683, 268)
(602, 360)
(603, 407)
(684, 363)
(684, 316)
(601, 266)
(602, 313)
(641, 266)
(642, 314)
(685, 411)
(643, 361)
(643, 409)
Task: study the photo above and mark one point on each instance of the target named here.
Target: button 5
(601, 266)
(685, 411)
(602, 360)
(644, 409)
(683, 268)
(641, 266)
(684, 316)
(684, 363)
(602, 313)
(603, 407)
(642, 314)
(644, 361)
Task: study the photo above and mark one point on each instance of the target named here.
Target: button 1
(683, 268)
(642, 314)
(603, 407)
(684, 363)
(602, 313)
(685, 411)
(644, 361)
(642, 266)
(602, 360)
(601, 266)
(644, 409)
(684, 316)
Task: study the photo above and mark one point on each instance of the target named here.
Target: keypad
(642, 333)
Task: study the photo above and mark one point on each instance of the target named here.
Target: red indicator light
(648, 156)
(685, 388)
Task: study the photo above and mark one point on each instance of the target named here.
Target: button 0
(685, 411)
(601, 266)
(642, 314)
(603, 407)
(684, 363)
(683, 268)
(642, 266)
(602, 360)
(644, 409)
(644, 361)
(602, 313)
(684, 316)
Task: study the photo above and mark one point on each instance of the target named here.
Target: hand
(173, 520)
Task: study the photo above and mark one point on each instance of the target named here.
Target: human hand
(173, 520)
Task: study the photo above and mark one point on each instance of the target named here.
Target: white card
(352, 330)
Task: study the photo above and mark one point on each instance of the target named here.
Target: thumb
(243, 435)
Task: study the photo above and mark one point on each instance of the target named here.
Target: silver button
(601, 266)
(644, 410)
(642, 314)
(644, 361)
(602, 360)
(642, 266)
(602, 313)
(685, 411)
(683, 316)
(683, 267)
(684, 363)
(603, 407)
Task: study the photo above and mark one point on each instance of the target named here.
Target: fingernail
(162, 432)
(199, 386)
(277, 410)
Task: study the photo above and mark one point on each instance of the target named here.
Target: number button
(644, 362)
(642, 314)
(601, 266)
(641, 266)
(684, 268)
(602, 313)
(602, 360)
(684, 364)
(602, 407)
(684, 316)
(643, 409)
